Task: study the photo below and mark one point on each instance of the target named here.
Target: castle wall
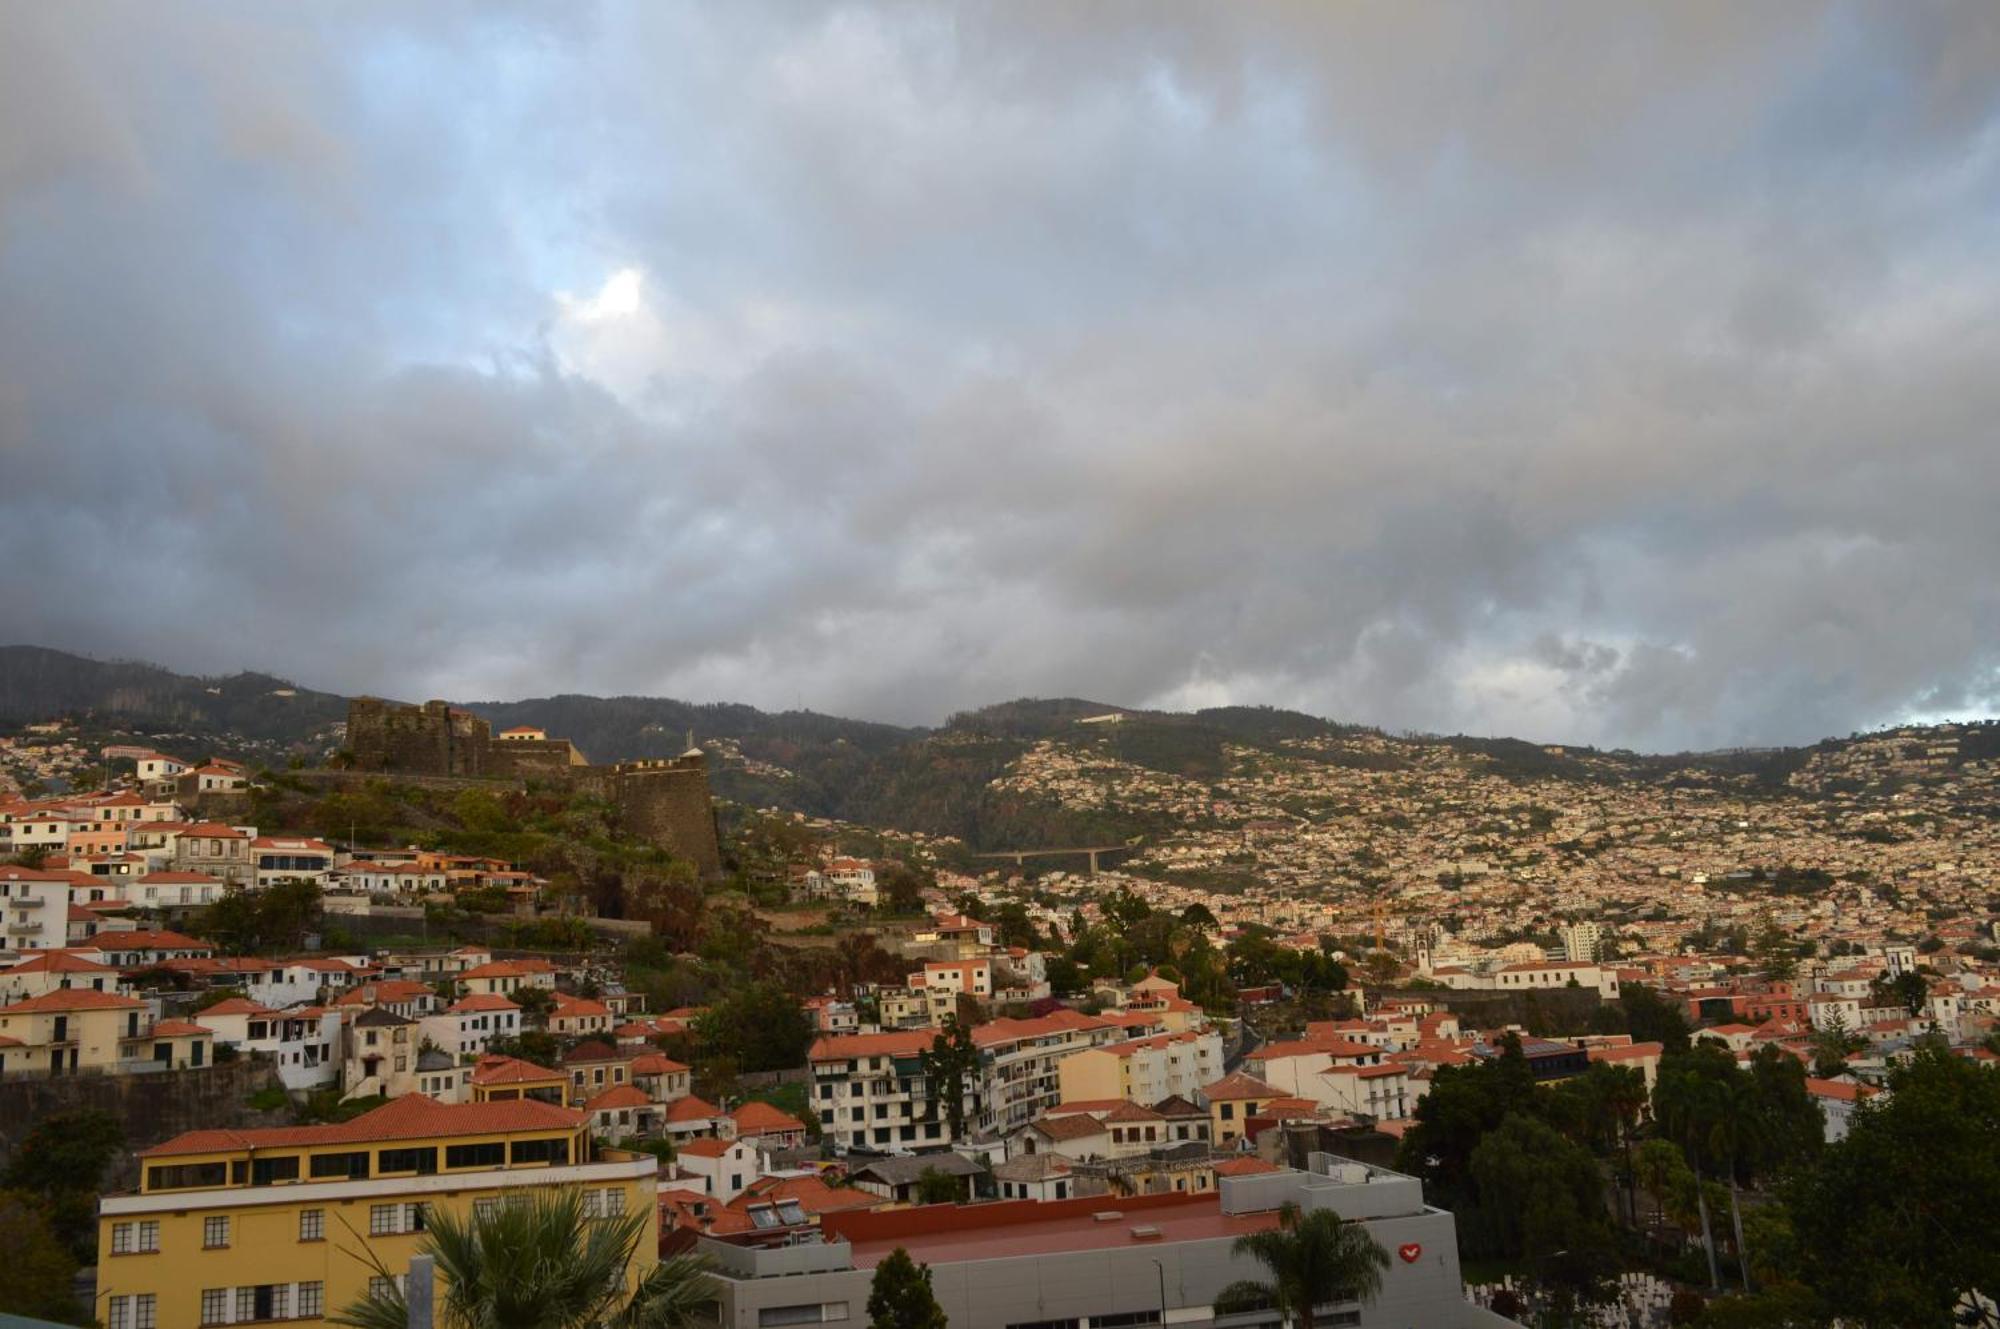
(665, 802)
(668, 803)
(432, 739)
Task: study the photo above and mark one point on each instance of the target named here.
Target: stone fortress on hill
(665, 801)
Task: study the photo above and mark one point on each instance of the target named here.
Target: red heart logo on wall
(1410, 1252)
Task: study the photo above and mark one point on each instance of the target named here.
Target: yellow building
(498, 1079)
(82, 1029)
(1233, 1100)
(235, 1227)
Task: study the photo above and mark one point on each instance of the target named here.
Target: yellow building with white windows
(254, 1226)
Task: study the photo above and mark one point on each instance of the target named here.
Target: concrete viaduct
(1019, 857)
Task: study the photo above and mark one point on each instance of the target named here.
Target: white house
(722, 1167)
(34, 909)
(1838, 1099)
(464, 1028)
(303, 1041)
(291, 858)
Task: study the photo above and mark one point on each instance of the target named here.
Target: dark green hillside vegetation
(39, 684)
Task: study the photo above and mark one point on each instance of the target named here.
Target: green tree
(935, 1187)
(38, 1276)
(1775, 953)
(900, 1296)
(1653, 1018)
(1464, 1104)
(1013, 927)
(273, 919)
(63, 1159)
(1906, 989)
(1894, 1222)
(1691, 1094)
(949, 1062)
(1313, 1259)
(759, 1026)
(1199, 915)
(1661, 1170)
(901, 887)
(1542, 1197)
(541, 1264)
(1601, 1111)
(1831, 1045)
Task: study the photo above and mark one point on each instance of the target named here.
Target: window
(413, 1217)
(593, 1204)
(312, 1300)
(379, 1287)
(475, 1155)
(312, 1225)
(384, 1219)
(423, 1162)
(540, 1151)
(340, 1165)
(811, 1313)
(121, 1243)
(486, 1208)
(182, 1176)
(119, 1313)
(214, 1304)
(214, 1233)
(265, 1301)
(265, 1171)
(614, 1203)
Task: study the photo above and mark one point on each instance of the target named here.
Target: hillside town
(1032, 1048)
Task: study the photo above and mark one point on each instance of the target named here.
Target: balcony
(22, 927)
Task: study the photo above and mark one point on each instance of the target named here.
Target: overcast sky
(1601, 373)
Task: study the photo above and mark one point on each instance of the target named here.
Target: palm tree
(1684, 1102)
(541, 1263)
(1736, 1133)
(1313, 1259)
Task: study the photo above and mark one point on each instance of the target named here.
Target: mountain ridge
(953, 779)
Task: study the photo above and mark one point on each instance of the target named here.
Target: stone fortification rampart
(666, 802)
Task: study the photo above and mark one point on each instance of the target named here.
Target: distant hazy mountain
(41, 684)
(938, 780)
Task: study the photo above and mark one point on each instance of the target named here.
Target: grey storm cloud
(1618, 374)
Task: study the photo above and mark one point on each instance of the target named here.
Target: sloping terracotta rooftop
(411, 1117)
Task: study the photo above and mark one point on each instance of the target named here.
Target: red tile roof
(706, 1148)
(483, 1001)
(691, 1109)
(236, 1006)
(618, 1096)
(59, 962)
(754, 1118)
(72, 999)
(510, 1070)
(899, 1043)
(1239, 1086)
(411, 1117)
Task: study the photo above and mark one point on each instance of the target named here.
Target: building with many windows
(285, 1224)
(871, 1090)
(1143, 1070)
